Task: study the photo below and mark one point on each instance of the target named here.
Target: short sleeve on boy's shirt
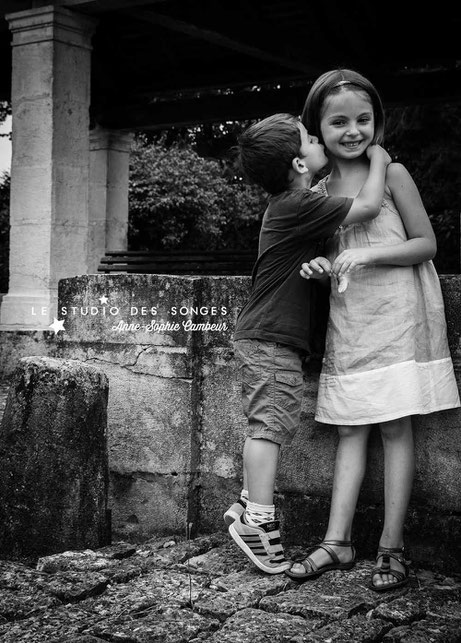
(302, 214)
(318, 217)
(280, 305)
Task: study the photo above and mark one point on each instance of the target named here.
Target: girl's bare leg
(350, 466)
(399, 465)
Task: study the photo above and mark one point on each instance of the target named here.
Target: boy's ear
(299, 166)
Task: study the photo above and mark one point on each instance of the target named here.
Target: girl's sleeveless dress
(386, 353)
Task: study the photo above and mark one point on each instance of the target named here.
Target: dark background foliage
(171, 208)
(179, 199)
(427, 140)
(186, 194)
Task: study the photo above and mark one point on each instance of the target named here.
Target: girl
(386, 355)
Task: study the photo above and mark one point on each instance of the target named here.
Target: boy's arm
(367, 203)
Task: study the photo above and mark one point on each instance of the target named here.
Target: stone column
(108, 199)
(50, 161)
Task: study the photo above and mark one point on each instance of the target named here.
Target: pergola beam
(105, 5)
(221, 40)
(242, 105)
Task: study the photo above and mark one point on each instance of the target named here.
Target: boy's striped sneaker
(261, 544)
(234, 512)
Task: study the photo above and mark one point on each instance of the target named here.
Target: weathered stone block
(53, 473)
(139, 309)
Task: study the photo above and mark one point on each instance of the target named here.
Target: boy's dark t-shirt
(281, 307)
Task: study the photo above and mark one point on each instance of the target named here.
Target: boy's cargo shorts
(272, 388)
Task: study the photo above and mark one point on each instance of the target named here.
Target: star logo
(103, 300)
(57, 325)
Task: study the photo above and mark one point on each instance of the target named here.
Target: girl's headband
(343, 82)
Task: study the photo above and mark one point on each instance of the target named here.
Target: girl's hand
(317, 268)
(350, 260)
(380, 153)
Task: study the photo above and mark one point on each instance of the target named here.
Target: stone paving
(172, 591)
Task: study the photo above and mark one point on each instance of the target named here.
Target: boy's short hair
(266, 150)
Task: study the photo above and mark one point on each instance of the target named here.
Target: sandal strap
(398, 554)
(386, 553)
(342, 543)
(309, 564)
(312, 565)
(400, 576)
(331, 552)
(393, 550)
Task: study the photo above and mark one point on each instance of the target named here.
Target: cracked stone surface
(169, 590)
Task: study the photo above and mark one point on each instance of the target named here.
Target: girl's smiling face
(347, 124)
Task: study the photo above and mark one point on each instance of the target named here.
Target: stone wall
(176, 428)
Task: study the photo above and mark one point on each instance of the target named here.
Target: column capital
(108, 139)
(51, 23)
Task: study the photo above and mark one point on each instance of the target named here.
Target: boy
(274, 329)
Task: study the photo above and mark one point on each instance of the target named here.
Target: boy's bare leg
(399, 466)
(245, 472)
(260, 461)
(351, 457)
(257, 533)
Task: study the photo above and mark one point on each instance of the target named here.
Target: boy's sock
(257, 514)
(236, 510)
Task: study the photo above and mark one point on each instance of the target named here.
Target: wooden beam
(87, 6)
(220, 40)
(244, 83)
(404, 89)
(100, 6)
(185, 113)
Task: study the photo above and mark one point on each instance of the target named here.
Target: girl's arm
(421, 244)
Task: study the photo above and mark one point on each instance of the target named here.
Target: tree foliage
(5, 110)
(427, 140)
(184, 192)
(181, 200)
(4, 230)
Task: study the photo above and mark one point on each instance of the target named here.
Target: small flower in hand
(343, 282)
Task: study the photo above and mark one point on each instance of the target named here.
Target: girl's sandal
(312, 571)
(402, 578)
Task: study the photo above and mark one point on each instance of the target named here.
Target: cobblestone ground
(205, 590)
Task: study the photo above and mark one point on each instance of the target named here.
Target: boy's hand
(317, 268)
(376, 151)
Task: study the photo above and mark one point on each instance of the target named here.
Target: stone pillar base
(28, 311)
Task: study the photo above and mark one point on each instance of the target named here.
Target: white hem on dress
(390, 392)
